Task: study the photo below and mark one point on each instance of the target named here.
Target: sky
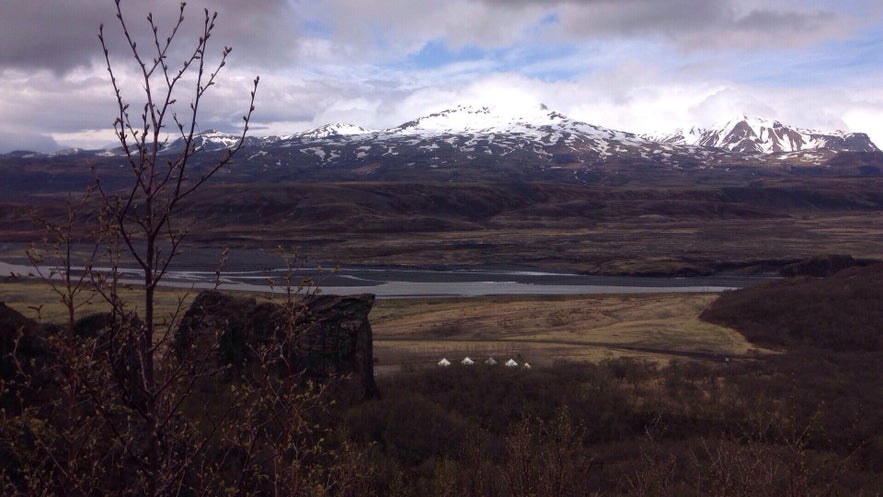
(643, 66)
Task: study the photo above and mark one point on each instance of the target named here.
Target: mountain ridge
(745, 134)
(491, 143)
(755, 134)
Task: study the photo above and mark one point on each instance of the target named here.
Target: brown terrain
(627, 220)
(676, 229)
(760, 391)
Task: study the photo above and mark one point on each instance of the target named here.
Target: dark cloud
(764, 20)
(671, 17)
(49, 35)
(735, 24)
(693, 24)
(60, 36)
(34, 142)
(380, 30)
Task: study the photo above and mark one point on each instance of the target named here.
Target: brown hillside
(841, 312)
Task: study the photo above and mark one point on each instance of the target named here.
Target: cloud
(61, 36)
(701, 25)
(379, 29)
(59, 85)
(388, 29)
(12, 140)
(629, 64)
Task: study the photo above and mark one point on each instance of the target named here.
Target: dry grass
(543, 330)
(35, 300)
(538, 329)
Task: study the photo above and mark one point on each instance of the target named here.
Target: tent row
(490, 362)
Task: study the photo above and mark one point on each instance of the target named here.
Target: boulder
(25, 357)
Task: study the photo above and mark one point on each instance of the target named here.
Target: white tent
(444, 362)
(467, 362)
(526, 365)
(511, 363)
(490, 361)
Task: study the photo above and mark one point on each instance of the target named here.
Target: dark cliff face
(321, 336)
(337, 339)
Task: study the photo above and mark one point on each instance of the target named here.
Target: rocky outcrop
(337, 339)
(320, 336)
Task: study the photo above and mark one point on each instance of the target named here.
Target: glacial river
(401, 282)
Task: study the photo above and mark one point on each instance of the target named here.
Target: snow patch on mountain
(758, 135)
(533, 137)
(467, 118)
(331, 130)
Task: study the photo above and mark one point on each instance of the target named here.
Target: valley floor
(542, 330)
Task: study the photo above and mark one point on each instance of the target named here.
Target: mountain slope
(756, 135)
(334, 129)
(467, 143)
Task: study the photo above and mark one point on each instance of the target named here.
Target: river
(406, 282)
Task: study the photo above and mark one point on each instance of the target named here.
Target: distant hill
(841, 312)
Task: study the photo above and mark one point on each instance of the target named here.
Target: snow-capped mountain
(757, 135)
(479, 142)
(465, 118)
(334, 129)
(536, 123)
(212, 141)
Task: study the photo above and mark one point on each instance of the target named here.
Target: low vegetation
(800, 421)
(797, 422)
(782, 426)
(119, 404)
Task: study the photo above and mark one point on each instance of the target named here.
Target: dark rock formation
(114, 342)
(338, 339)
(321, 336)
(33, 349)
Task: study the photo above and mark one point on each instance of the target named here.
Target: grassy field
(36, 300)
(542, 330)
(415, 333)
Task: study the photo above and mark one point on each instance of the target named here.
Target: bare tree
(142, 412)
(143, 215)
